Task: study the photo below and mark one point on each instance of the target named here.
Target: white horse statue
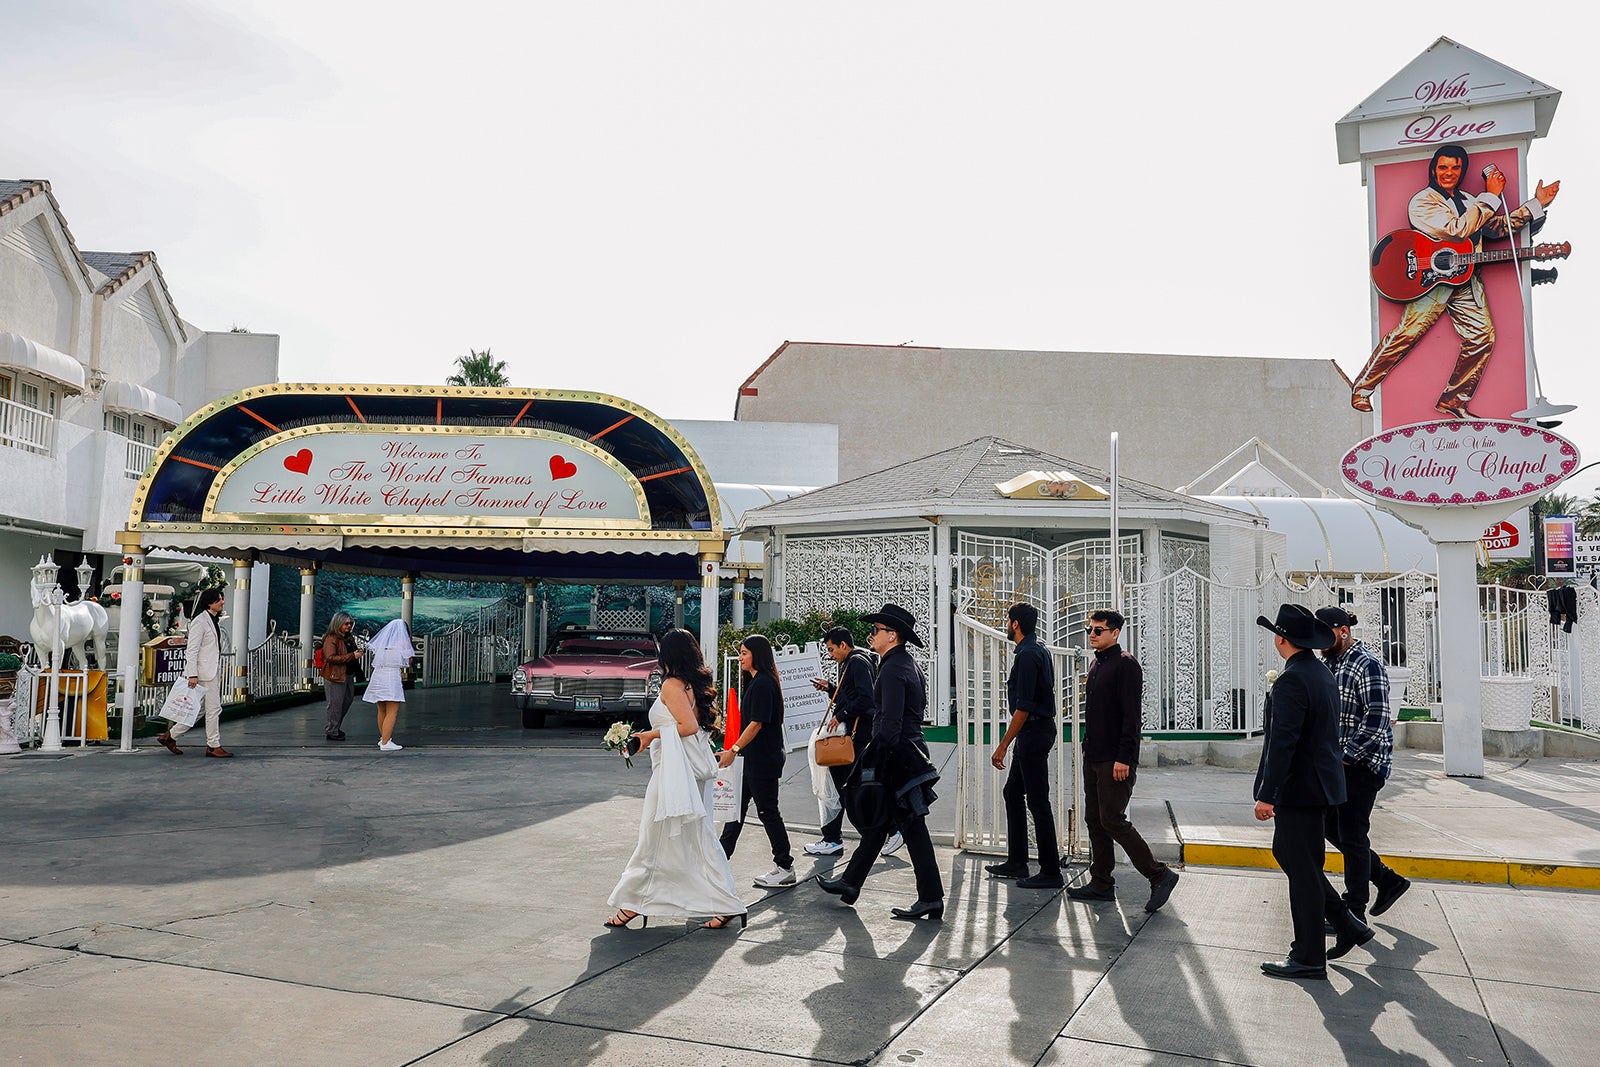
(77, 623)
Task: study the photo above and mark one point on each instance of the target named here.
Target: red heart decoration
(560, 468)
(300, 462)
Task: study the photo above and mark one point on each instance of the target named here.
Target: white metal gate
(983, 661)
(1066, 583)
(483, 645)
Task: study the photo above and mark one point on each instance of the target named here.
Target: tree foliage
(480, 369)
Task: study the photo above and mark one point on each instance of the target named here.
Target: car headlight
(519, 681)
(652, 688)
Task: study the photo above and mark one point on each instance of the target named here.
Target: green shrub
(9, 662)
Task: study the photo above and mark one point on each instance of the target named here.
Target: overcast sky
(646, 198)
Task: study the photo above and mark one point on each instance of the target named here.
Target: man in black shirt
(1031, 688)
(1111, 765)
(851, 708)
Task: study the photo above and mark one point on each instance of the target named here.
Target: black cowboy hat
(897, 619)
(1336, 617)
(1299, 627)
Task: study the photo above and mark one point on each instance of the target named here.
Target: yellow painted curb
(1485, 871)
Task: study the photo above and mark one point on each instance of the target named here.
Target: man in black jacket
(1113, 721)
(903, 774)
(851, 708)
(1299, 777)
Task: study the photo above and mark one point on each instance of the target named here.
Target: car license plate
(585, 703)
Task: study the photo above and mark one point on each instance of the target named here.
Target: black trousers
(1027, 792)
(919, 847)
(1105, 816)
(1349, 827)
(761, 785)
(1297, 846)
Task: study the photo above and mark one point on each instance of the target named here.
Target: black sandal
(719, 921)
(617, 922)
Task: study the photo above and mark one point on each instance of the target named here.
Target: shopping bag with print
(183, 704)
(725, 789)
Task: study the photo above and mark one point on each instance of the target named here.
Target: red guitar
(1406, 263)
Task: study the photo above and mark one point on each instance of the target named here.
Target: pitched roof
(120, 268)
(16, 192)
(965, 477)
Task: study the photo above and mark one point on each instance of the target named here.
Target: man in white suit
(203, 659)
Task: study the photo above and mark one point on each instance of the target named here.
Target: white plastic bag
(183, 703)
(822, 786)
(725, 789)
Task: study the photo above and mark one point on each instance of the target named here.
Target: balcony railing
(27, 428)
(138, 461)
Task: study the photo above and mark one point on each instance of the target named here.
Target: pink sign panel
(1459, 462)
(1448, 358)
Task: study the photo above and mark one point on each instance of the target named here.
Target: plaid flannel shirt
(1366, 735)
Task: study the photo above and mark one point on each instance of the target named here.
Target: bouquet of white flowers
(616, 739)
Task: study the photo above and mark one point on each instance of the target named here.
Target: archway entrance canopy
(444, 481)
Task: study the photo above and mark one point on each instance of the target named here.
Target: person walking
(760, 744)
(900, 789)
(851, 708)
(1297, 780)
(338, 671)
(391, 651)
(1031, 692)
(203, 667)
(1366, 744)
(678, 869)
(1115, 698)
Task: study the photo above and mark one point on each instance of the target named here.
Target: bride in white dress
(678, 870)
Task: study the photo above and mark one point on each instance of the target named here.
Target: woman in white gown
(678, 870)
(391, 650)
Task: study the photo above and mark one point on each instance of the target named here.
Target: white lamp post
(85, 573)
(52, 706)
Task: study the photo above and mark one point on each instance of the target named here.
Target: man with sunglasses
(1115, 696)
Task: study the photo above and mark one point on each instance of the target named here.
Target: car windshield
(604, 645)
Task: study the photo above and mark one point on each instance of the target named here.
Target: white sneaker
(894, 844)
(390, 746)
(776, 878)
(824, 848)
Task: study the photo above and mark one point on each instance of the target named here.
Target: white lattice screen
(861, 572)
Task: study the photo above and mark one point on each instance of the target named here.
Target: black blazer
(1300, 762)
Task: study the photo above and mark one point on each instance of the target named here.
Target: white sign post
(1452, 480)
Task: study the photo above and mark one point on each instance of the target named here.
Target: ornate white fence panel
(486, 643)
(983, 661)
(860, 573)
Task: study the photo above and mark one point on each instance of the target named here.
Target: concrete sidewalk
(312, 903)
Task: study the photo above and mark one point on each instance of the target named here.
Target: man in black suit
(1299, 777)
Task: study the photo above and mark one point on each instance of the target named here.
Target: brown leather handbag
(835, 750)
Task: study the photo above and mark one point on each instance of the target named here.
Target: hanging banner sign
(1454, 463)
(1560, 546)
(803, 704)
(424, 474)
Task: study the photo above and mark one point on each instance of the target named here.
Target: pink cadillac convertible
(611, 673)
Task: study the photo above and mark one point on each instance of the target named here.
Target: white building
(96, 366)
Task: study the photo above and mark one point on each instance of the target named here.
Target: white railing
(483, 645)
(983, 662)
(138, 459)
(26, 428)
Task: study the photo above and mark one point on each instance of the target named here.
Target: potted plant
(9, 665)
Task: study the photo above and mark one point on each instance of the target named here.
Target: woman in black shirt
(760, 745)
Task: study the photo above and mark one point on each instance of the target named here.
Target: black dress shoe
(932, 909)
(1008, 869)
(1351, 932)
(1292, 968)
(1092, 892)
(1389, 894)
(1160, 890)
(336, 737)
(1042, 880)
(840, 888)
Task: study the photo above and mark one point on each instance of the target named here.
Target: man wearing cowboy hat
(1366, 743)
(897, 756)
(1299, 777)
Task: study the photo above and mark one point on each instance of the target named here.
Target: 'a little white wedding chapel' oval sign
(1457, 462)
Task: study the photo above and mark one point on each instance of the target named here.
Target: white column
(52, 700)
(308, 607)
(677, 604)
(529, 608)
(544, 624)
(408, 599)
(1458, 658)
(710, 586)
(942, 625)
(240, 609)
(738, 601)
(130, 650)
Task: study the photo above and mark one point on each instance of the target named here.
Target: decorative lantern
(85, 573)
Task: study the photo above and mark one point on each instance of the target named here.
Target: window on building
(28, 394)
(5, 387)
(117, 423)
(139, 431)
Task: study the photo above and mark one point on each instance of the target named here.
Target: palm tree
(1520, 573)
(480, 368)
